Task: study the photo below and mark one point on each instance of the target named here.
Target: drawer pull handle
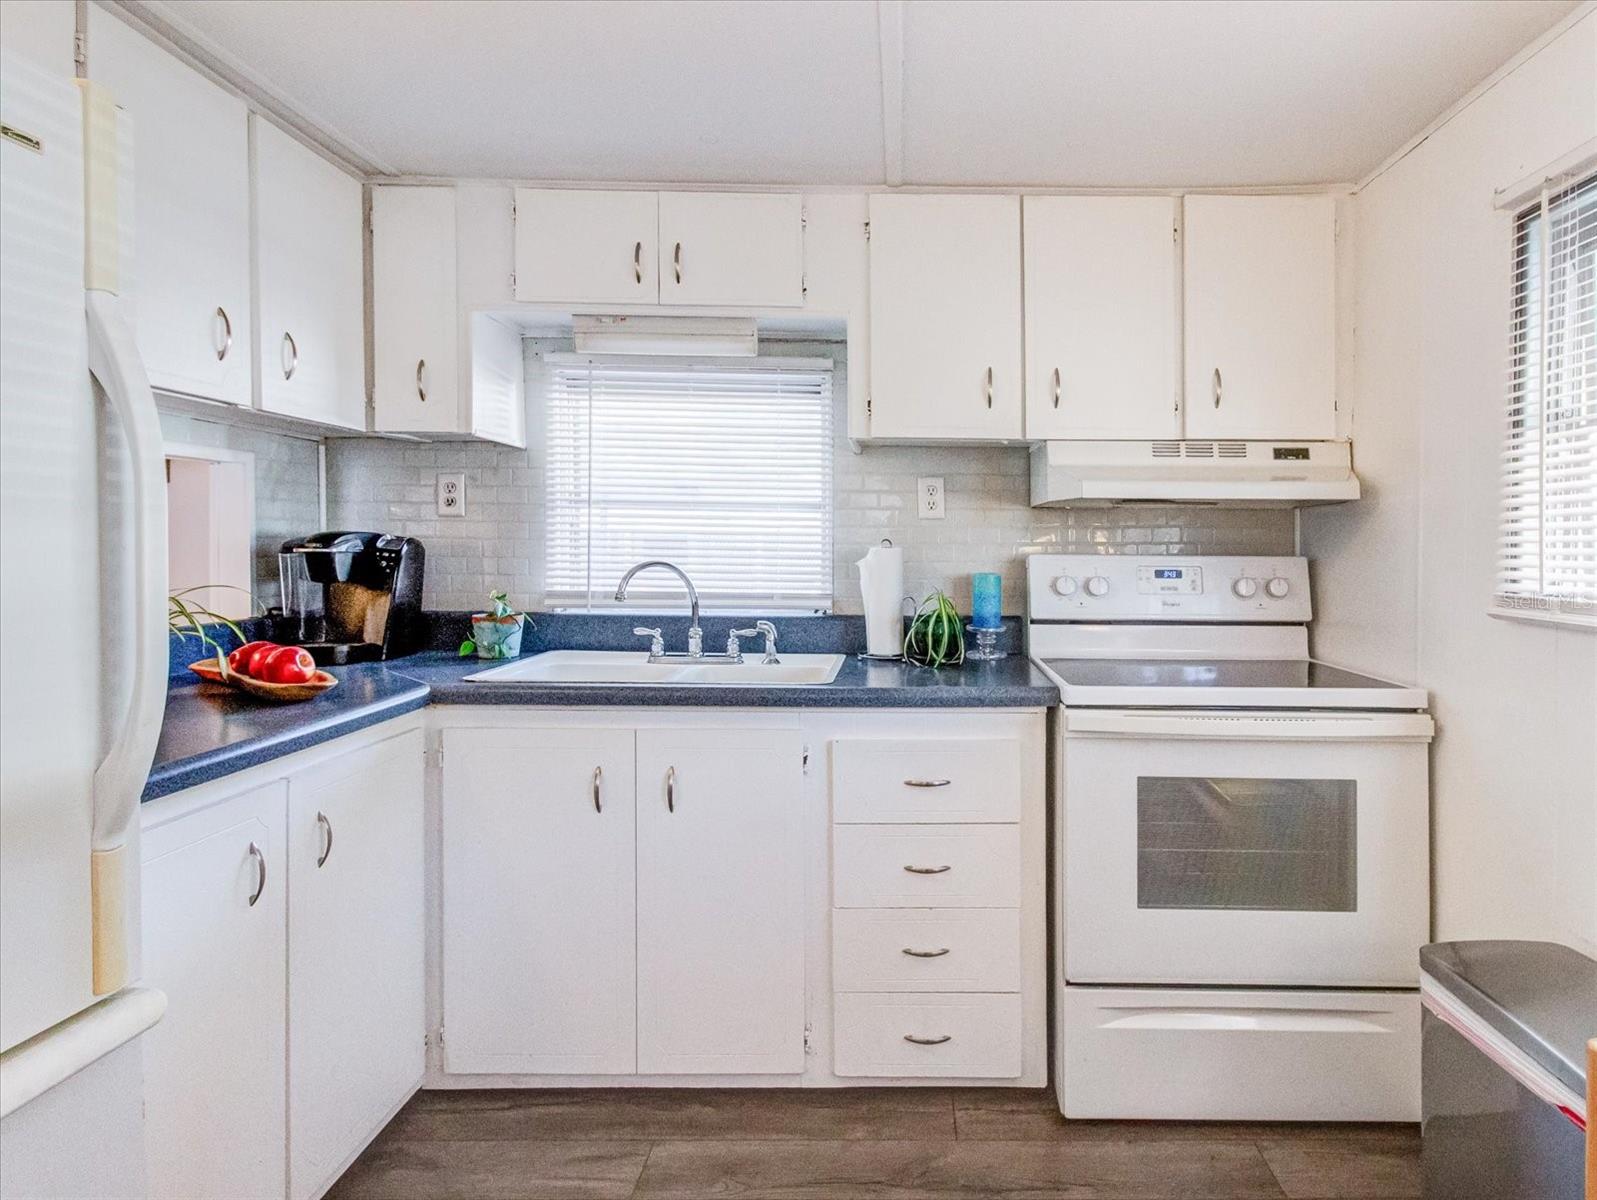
(670, 789)
(936, 1041)
(927, 870)
(598, 785)
(327, 844)
(927, 782)
(926, 953)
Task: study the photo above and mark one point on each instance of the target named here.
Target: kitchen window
(1547, 550)
(722, 466)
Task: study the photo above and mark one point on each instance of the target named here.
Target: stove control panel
(1136, 587)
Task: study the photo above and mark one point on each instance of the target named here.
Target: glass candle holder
(986, 600)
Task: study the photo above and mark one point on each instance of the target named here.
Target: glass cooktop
(1202, 673)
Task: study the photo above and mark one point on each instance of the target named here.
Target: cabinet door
(731, 248)
(945, 318)
(720, 902)
(213, 919)
(1260, 316)
(356, 1021)
(191, 281)
(1101, 302)
(586, 247)
(538, 965)
(310, 267)
(415, 311)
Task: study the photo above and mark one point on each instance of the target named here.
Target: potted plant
(497, 633)
(936, 636)
(190, 619)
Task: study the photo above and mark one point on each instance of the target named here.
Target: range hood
(1233, 474)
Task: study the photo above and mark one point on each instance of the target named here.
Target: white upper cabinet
(1101, 310)
(734, 249)
(191, 281)
(310, 268)
(720, 901)
(1260, 316)
(945, 318)
(538, 912)
(355, 879)
(586, 247)
(415, 312)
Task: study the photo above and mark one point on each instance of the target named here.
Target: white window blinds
(1547, 557)
(722, 467)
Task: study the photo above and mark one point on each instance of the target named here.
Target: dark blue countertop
(211, 732)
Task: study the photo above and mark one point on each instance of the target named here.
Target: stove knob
(1097, 586)
(1245, 588)
(1278, 588)
(1064, 585)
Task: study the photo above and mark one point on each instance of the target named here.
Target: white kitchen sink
(634, 667)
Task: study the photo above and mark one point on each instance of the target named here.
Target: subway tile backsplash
(989, 526)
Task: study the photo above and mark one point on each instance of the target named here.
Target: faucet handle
(656, 640)
(733, 650)
(769, 631)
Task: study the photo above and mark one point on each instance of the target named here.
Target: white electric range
(1242, 857)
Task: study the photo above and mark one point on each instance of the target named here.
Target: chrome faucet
(761, 628)
(656, 644)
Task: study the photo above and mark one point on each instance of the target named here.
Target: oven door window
(1286, 845)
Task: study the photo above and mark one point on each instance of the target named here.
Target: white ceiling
(1076, 93)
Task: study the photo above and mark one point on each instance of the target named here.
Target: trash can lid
(1539, 995)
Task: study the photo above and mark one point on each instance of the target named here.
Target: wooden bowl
(281, 693)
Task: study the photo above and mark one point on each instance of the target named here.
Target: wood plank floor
(875, 1144)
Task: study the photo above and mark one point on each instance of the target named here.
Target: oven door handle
(1270, 726)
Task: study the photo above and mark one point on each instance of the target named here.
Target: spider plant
(189, 619)
(936, 636)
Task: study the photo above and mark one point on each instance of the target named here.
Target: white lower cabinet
(291, 952)
(214, 939)
(538, 901)
(972, 1035)
(356, 937)
(720, 902)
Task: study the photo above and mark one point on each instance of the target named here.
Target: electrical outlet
(929, 489)
(451, 493)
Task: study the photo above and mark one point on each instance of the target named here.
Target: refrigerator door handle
(119, 779)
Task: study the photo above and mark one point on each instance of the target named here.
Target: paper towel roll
(881, 583)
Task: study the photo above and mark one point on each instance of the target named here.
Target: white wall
(1403, 577)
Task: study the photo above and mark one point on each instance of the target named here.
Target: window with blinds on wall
(1547, 557)
(723, 467)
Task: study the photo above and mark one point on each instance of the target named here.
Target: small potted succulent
(496, 633)
(936, 636)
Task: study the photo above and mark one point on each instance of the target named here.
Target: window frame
(558, 357)
(1530, 231)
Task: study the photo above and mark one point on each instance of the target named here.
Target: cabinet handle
(927, 783)
(421, 365)
(327, 844)
(934, 1041)
(927, 870)
(1218, 388)
(227, 334)
(598, 778)
(676, 261)
(989, 387)
(260, 866)
(670, 789)
(293, 351)
(1056, 387)
(926, 953)
(637, 263)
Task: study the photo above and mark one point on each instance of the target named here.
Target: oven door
(1258, 848)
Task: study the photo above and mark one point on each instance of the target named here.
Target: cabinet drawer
(910, 780)
(926, 866)
(974, 1035)
(926, 950)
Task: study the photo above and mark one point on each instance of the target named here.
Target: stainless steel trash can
(1503, 1069)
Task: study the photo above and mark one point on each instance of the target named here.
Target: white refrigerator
(82, 644)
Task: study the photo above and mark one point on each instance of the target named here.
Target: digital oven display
(1167, 573)
(1170, 581)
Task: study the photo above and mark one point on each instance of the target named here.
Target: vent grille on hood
(1198, 449)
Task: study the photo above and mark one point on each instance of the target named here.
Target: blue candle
(986, 600)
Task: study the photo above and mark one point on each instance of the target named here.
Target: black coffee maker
(352, 597)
